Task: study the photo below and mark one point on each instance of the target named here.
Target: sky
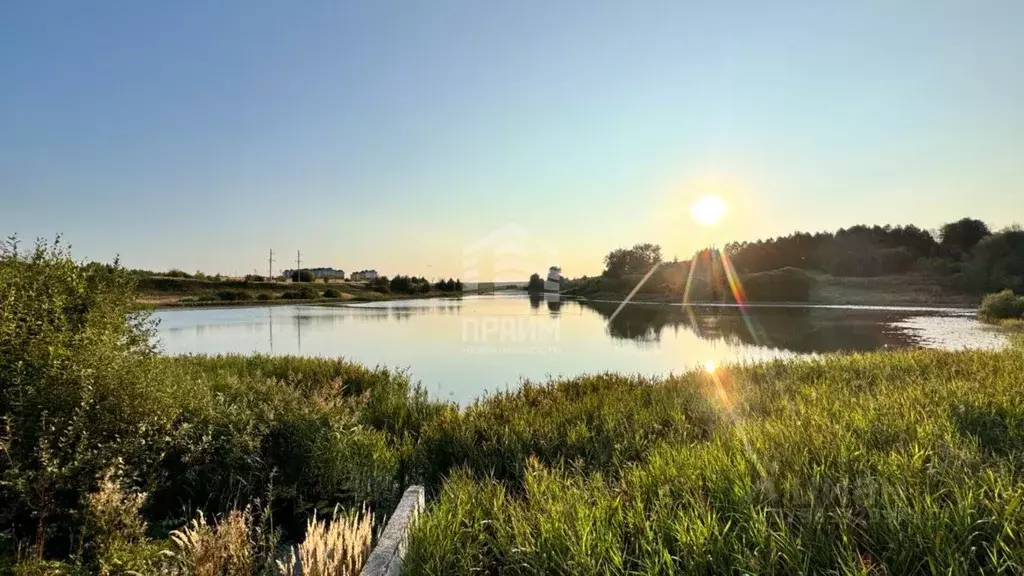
(398, 135)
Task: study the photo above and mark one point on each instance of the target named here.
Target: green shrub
(1001, 306)
(234, 295)
(304, 293)
(264, 296)
(302, 276)
(80, 390)
(783, 285)
(332, 293)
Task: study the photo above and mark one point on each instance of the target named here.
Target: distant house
(364, 275)
(319, 273)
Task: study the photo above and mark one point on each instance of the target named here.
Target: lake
(460, 348)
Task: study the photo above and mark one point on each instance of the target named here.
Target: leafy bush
(234, 295)
(785, 285)
(304, 293)
(332, 293)
(264, 296)
(302, 276)
(175, 273)
(1001, 305)
(80, 392)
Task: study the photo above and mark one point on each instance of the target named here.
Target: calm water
(461, 348)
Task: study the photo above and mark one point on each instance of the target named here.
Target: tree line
(965, 254)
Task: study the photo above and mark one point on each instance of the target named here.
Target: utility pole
(270, 266)
(298, 265)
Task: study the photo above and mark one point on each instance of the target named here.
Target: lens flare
(739, 295)
(710, 366)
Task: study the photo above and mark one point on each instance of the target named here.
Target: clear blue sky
(391, 134)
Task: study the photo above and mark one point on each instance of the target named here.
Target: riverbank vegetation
(114, 459)
(1003, 308)
(885, 463)
(107, 448)
(171, 291)
(857, 265)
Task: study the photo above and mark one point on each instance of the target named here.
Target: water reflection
(460, 347)
(798, 329)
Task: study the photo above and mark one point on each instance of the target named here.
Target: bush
(254, 278)
(784, 285)
(175, 273)
(80, 390)
(1001, 306)
(305, 293)
(302, 276)
(332, 293)
(264, 296)
(234, 295)
(83, 392)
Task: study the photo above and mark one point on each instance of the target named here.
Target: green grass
(890, 463)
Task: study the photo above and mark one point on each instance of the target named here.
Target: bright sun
(707, 210)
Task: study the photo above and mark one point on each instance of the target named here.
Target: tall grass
(901, 462)
(335, 547)
(892, 463)
(82, 392)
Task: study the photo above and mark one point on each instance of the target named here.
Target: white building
(367, 275)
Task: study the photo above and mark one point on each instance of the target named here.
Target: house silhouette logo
(508, 254)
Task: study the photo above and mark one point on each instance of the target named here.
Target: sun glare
(710, 366)
(707, 210)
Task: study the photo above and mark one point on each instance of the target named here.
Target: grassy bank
(911, 289)
(116, 460)
(154, 292)
(888, 463)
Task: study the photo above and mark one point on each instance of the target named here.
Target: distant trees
(630, 261)
(448, 285)
(536, 284)
(967, 255)
(409, 285)
(254, 278)
(380, 284)
(302, 276)
(855, 251)
(963, 235)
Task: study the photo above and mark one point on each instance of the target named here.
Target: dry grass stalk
(335, 548)
(217, 549)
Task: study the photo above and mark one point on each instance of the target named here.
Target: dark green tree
(963, 235)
